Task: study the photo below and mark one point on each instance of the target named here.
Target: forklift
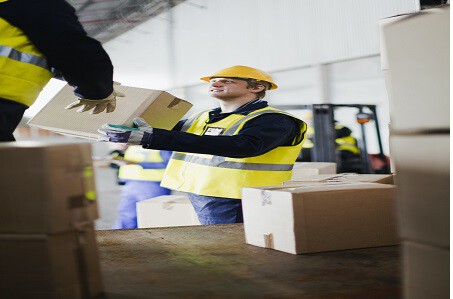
(324, 147)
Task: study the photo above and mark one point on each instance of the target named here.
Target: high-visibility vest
(23, 68)
(136, 172)
(347, 143)
(308, 143)
(219, 176)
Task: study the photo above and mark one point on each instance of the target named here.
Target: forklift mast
(324, 149)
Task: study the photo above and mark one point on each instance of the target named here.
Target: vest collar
(244, 109)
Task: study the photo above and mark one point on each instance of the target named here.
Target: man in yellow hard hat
(37, 37)
(242, 143)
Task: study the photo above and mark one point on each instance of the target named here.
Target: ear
(257, 88)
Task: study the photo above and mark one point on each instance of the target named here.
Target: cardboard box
(159, 108)
(426, 271)
(415, 55)
(165, 211)
(63, 265)
(303, 169)
(342, 178)
(320, 218)
(47, 187)
(423, 178)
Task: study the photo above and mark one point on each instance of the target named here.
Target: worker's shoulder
(274, 117)
(271, 112)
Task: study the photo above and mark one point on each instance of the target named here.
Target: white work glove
(108, 104)
(140, 134)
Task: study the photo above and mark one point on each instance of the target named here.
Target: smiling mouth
(214, 90)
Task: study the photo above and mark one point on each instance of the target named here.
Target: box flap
(342, 178)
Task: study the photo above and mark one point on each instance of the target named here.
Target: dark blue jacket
(258, 136)
(54, 28)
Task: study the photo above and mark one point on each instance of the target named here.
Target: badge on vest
(213, 131)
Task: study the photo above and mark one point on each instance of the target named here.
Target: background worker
(346, 143)
(141, 177)
(244, 142)
(36, 36)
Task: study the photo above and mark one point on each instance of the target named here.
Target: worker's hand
(108, 104)
(140, 134)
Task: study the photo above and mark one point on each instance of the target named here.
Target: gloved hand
(140, 134)
(108, 104)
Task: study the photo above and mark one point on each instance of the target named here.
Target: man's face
(228, 88)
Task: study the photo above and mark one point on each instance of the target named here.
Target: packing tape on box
(333, 184)
(334, 178)
(81, 261)
(268, 241)
(77, 201)
(84, 239)
(168, 205)
(265, 198)
(340, 178)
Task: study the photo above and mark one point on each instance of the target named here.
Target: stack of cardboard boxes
(48, 205)
(303, 169)
(176, 210)
(322, 212)
(415, 60)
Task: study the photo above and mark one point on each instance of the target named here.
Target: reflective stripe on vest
(135, 172)
(138, 154)
(221, 163)
(308, 143)
(347, 143)
(224, 177)
(24, 70)
(190, 121)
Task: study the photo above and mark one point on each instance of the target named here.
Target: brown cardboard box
(46, 187)
(63, 265)
(415, 55)
(159, 108)
(166, 211)
(303, 169)
(423, 178)
(320, 218)
(426, 271)
(341, 178)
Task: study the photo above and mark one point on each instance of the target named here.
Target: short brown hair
(252, 83)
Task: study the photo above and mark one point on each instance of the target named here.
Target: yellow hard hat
(245, 72)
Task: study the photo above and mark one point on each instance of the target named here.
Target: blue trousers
(216, 210)
(131, 193)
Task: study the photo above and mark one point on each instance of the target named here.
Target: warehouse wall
(317, 51)
(201, 36)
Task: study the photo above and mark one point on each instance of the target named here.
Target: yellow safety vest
(219, 176)
(136, 172)
(347, 143)
(23, 69)
(308, 143)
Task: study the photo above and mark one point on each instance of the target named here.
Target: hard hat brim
(207, 79)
